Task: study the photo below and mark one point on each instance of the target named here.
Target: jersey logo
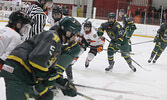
(118, 26)
(8, 68)
(51, 61)
(94, 36)
(56, 38)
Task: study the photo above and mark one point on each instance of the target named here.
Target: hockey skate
(150, 60)
(132, 67)
(86, 64)
(151, 57)
(154, 61)
(110, 66)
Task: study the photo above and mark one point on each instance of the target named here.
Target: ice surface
(142, 85)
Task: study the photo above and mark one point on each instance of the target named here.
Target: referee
(38, 16)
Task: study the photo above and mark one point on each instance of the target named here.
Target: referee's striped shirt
(38, 18)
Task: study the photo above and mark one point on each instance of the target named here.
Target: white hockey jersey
(9, 39)
(91, 38)
(51, 21)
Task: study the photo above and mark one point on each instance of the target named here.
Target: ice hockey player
(54, 20)
(72, 49)
(87, 38)
(128, 25)
(160, 41)
(38, 16)
(55, 15)
(118, 41)
(13, 34)
(29, 70)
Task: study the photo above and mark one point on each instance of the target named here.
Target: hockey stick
(140, 65)
(80, 94)
(109, 90)
(142, 42)
(120, 50)
(85, 20)
(116, 91)
(137, 63)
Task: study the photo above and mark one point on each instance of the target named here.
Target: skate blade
(109, 71)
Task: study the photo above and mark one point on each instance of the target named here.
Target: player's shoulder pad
(52, 35)
(118, 25)
(105, 24)
(163, 26)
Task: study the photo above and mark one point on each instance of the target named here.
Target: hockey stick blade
(139, 65)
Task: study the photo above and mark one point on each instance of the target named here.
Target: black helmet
(88, 24)
(111, 15)
(18, 17)
(56, 9)
(70, 24)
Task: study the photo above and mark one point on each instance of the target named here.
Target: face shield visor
(25, 30)
(120, 14)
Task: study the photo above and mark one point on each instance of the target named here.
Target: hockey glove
(100, 32)
(70, 89)
(50, 80)
(100, 48)
(128, 28)
(156, 38)
(43, 92)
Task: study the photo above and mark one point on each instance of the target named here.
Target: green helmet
(111, 15)
(70, 24)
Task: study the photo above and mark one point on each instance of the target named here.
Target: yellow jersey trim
(60, 67)
(20, 61)
(38, 66)
(71, 46)
(120, 39)
(44, 91)
(54, 78)
(163, 38)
